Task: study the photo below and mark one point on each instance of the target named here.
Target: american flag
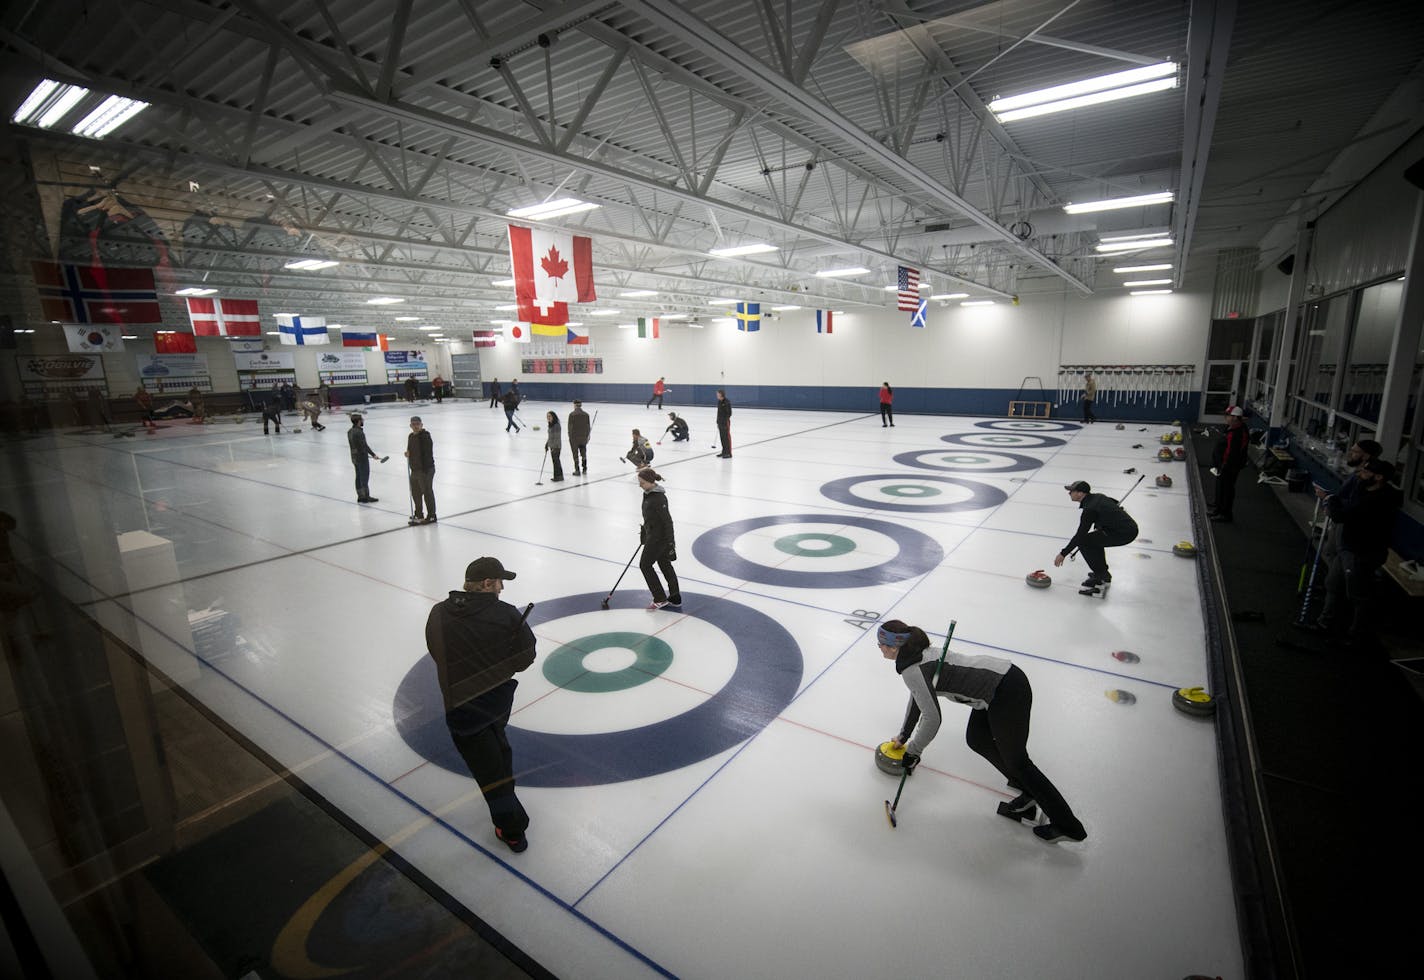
(907, 281)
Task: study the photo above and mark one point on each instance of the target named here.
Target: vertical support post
(1295, 313)
(1402, 350)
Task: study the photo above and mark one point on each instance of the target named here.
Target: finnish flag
(304, 331)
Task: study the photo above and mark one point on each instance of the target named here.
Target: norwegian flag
(907, 282)
(96, 294)
(224, 317)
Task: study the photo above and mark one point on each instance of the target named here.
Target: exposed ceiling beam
(1208, 44)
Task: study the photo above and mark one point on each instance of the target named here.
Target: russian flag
(351, 338)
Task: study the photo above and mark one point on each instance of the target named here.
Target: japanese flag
(519, 333)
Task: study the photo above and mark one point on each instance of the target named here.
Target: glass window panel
(1369, 350)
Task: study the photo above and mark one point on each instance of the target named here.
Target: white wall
(962, 347)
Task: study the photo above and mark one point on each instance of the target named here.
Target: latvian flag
(303, 331)
(485, 338)
(823, 321)
(907, 285)
(224, 317)
(358, 338)
(96, 294)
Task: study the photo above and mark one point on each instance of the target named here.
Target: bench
(1411, 586)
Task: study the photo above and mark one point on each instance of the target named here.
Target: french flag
(823, 321)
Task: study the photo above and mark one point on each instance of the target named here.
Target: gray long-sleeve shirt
(964, 679)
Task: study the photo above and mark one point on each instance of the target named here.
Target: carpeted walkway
(1338, 739)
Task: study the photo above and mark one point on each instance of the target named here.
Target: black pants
(887, 414)
(274, 416)
(1088, 415)
(1226, 491)
(674, 591)
(580, 456)
(1000, 734)
(1350, 582)
(724, 433)
(554, 459)
(494, 398)
(363, 476)
(491, 762)
(1094, 544)
(422, 492)
(656, 398)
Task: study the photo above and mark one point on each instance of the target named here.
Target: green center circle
(966, 459)
(909, 490)
(1006, 440)
(565, 666)
(834, 544)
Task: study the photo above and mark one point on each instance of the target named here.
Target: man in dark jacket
(420, 458)
(678, 428)
(479, 643)
(579, 429)
(724, 424)
(361, 456)
(272, 411)
(1104, 524)
(494, 393)
(1366, 521)
(1355, 457)
(511, 405)
(1228, 459)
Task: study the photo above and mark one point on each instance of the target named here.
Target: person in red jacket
(659, 389)
(1228, 459)
(887, 413)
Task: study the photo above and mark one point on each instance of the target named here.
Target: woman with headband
(1000, 699)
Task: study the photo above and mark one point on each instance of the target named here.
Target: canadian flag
(551, 270)
(224, 317)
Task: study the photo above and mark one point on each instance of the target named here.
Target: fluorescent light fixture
(1138, 236)
(924, 285)
(274, 333)
(1155, 267)
(736, 250)
(635, 294)
(384, 301)
(1135, 245)
(552, 209)
(1149, 292)
(195, 291)
(311, 265)
(665, 316)
(950, 296)
(574, 323)
(427, 329)
(892, 288)
(48, 102)
(505, 307)
(784, 309)
(126, 336)
(977, 302)
(1149, 282)
(1116, 203)
(407, 319)
(833, 273)
(112, 113)
(503, 323)
(600, 312)
(626, 326)
(1087, 91)
(720, 302)
(690, 326)
(501, 282)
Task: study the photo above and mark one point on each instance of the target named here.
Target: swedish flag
(748, 317)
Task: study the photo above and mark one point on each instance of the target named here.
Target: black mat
(237, 890)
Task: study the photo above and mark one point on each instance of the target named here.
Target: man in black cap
(1104, 524)
(420, 458)
(478, 643)
(361, 456)
(1366, 521)
(579, 429)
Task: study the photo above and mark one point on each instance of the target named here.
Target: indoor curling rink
(701, 784)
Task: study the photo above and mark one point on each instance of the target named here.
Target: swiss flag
(551, 270)
(224, 317)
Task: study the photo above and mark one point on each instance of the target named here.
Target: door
(1223, 382)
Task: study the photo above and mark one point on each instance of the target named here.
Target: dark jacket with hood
(478, 644)
(657, 533)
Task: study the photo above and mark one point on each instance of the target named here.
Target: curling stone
(534, 427)
(1121, 697)
(1164, 480)
(889, 759)
(296, 430)
(1176, 437)
(1164, 454)
(1165, 438)
(1193, 701)
(1179, 454)
(1119, 427)
(1039, 579)
(1184, 549)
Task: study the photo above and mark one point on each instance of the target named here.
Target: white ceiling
(394, 136)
